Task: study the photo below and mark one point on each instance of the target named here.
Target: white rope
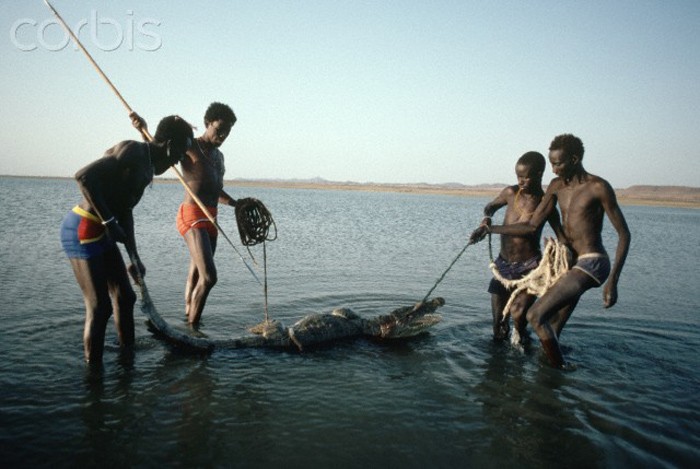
(554, 264)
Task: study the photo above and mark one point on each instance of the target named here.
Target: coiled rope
(254, 222)
(554, 264)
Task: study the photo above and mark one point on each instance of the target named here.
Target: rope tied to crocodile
(254, 222)
(554, 264)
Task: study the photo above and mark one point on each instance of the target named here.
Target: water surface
(451, 398)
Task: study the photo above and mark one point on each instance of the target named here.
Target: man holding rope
(583, 199)
(518, 255)
(203, 170)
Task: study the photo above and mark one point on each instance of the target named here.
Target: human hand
(478, 234)
(114, 231)
(137, 271)
(138, 122)
(609, 295)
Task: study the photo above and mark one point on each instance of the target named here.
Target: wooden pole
(149, 137)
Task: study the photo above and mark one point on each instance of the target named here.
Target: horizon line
(322, 181)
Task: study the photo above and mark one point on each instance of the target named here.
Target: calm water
(451, 398)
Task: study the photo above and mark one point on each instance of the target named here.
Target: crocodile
(312, 330)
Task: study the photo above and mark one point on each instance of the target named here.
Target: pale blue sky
(367, 91)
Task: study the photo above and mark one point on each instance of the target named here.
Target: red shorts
(191, 216)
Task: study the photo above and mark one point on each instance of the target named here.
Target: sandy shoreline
(661, 196)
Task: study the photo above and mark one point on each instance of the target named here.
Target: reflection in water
(108, 416)
(536, 425)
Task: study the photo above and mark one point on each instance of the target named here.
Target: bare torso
(119, 178)
(582, 212)
(520, 208)
(203, 170)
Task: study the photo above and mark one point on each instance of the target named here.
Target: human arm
(544, 210)
(140, 124)
(226, 199)
(555, 223)
(617, 219)
(114, 183)
(91, 181)
(492, 207)
(136, 268)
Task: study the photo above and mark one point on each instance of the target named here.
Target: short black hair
(535, 160)
(173, 128)
(571, 145)
(219, 111)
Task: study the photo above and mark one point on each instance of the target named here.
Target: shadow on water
(125, 415)
(528, 420)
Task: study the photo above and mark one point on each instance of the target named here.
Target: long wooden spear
(149, 137)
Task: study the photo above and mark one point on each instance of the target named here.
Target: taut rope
(454, 261)
(254, 221)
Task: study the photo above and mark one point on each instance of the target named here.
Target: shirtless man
(203, 170)
(519, 254)
(583, 199)
(111, 187)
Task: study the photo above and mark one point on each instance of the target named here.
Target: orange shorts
(191, 216)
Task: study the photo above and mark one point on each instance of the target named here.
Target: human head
(219, 111)
(566, 155)
(176, 135)
(529, 169)
(218, 120)
(570, 144)
(175, 129)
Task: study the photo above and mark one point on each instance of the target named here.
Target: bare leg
(123, 298)
(563, 295)
(518, 310)
(92, 279)
(500, 327)
(202, 277)
(192, 279)
(558, 321)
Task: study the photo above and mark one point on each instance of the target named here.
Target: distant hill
(671, 196)
(679, 196)
(323, 184)
(660, 195)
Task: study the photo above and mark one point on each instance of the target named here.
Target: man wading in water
(203, 170)
(583, 199)
(111, 187)
(519, 255)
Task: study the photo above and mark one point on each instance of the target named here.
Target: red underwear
(191, 216)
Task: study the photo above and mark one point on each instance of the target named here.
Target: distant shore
(663, 196)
